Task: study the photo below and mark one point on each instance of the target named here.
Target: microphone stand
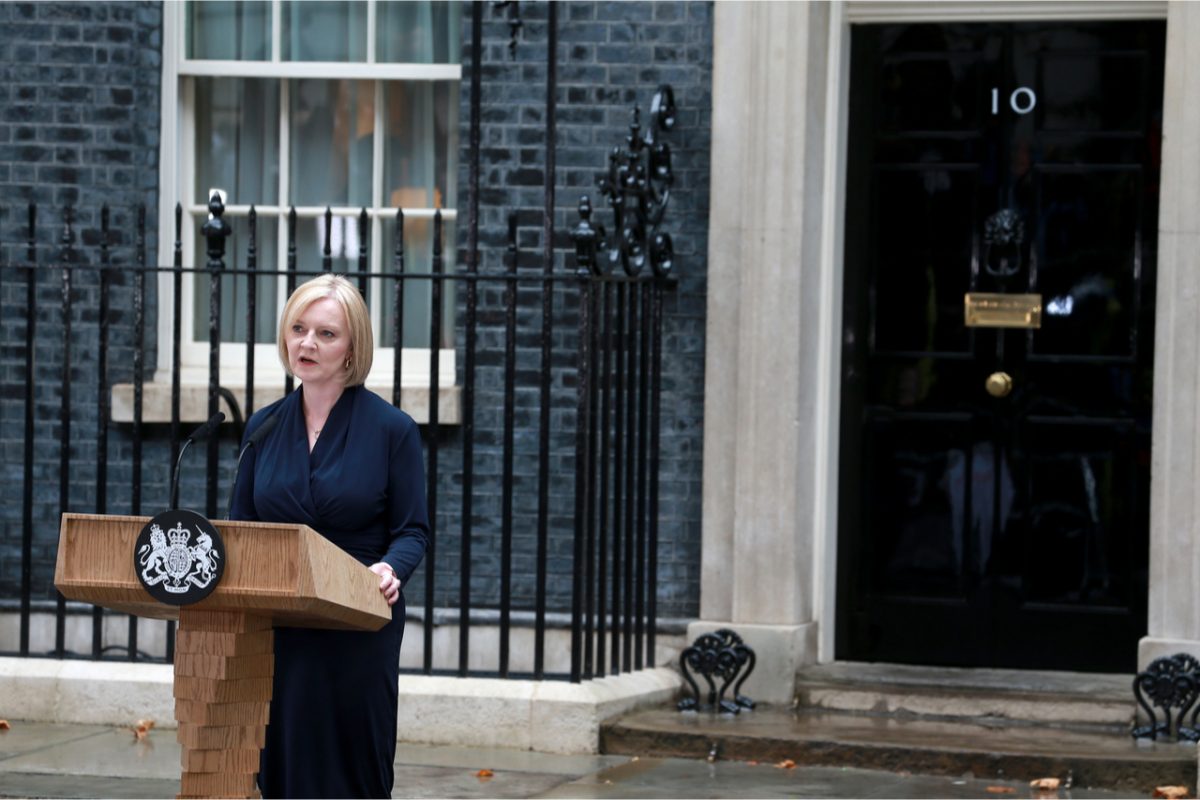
(196, 435)
(256, 437)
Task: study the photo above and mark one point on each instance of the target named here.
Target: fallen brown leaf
(4, 725)
(787, 763)
(1045, 784)
(1001, 790)
(1171, 792)
(484, 774)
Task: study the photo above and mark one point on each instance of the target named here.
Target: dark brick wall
(79, 122)
(611, 57)
(80, 101)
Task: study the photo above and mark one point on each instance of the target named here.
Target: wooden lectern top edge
(289, 572)
(220, 523)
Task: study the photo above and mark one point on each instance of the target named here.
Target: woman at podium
(348, 464)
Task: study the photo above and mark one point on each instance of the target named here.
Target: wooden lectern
(275, 574)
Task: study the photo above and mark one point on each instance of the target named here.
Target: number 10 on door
(1022, 100)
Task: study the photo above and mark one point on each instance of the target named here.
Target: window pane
(324, 31)
(234, 297)
(237, 139)
(418, 258)
(344, 244)
(332, 126)
(420, 154)
(229, 30)
(418, 32)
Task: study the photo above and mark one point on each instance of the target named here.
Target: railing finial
(216, 230)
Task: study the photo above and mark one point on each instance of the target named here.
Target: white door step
(1000, 696)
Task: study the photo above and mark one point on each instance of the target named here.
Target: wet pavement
(1092, 757)
(44, 760)
(681, 778)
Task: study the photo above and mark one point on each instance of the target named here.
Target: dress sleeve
(408, 517)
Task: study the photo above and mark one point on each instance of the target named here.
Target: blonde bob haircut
(358, 319)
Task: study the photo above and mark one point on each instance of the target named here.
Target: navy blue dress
(333, 708)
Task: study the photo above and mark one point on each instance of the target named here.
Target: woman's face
(318, 344)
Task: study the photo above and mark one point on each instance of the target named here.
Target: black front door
(994, 482)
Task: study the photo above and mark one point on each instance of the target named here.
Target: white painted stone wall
(1174, 602)
(543, 716)
(762, 370)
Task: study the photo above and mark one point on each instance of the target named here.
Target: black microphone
(196, 435)
(256, 437)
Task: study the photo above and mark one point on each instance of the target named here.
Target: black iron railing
(601, 377)
(613, 387)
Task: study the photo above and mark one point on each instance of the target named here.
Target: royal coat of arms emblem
(179, 557)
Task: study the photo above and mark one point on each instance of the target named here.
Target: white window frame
(176, 184)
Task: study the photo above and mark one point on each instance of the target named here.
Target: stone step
(983, 695)
(1091, 758)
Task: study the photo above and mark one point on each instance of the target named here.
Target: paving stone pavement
(71, 761)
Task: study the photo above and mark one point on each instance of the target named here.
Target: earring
(347, 363)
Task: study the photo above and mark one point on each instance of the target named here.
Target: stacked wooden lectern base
(223, 668)
(275, 574)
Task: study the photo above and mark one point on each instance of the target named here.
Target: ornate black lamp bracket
(719, 656)
(638, 188)
(1172, 684)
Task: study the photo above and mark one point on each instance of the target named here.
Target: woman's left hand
(389, 584)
